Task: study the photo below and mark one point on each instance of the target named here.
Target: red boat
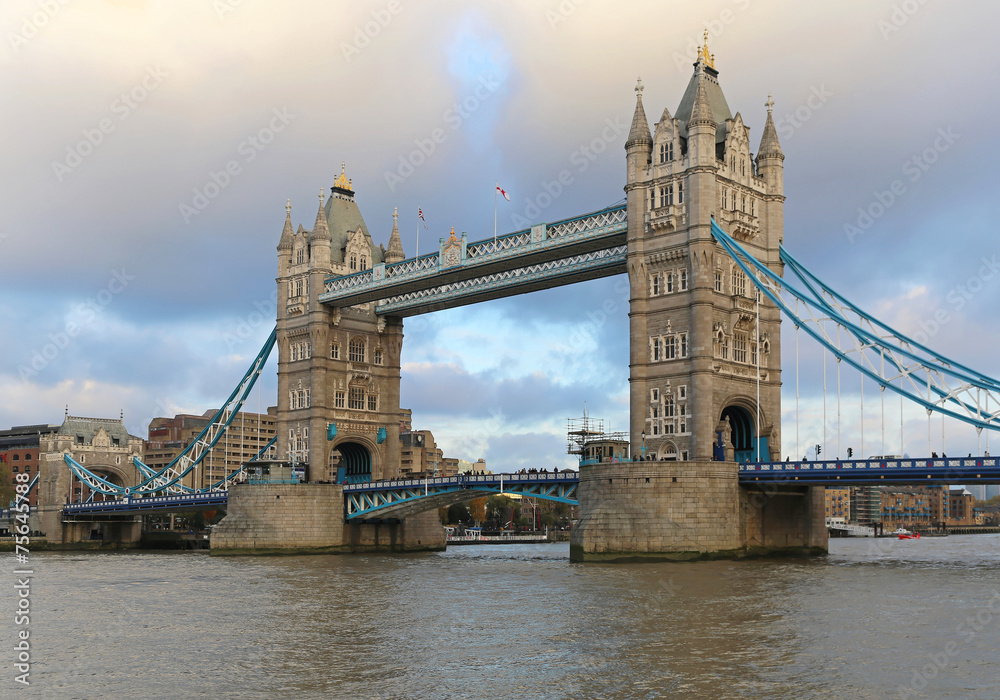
(909, 536)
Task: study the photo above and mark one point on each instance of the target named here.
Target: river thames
(874, 619)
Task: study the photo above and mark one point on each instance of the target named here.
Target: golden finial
(452, 237)
(342, 182)
(704, 56)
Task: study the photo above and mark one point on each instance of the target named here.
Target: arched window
(354, 261)
(300, 256)
(357, 350)
(364, 262)
(377, 356)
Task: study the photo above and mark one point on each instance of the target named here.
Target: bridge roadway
(400, 498)
(459, 273)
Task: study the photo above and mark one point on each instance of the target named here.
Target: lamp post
(643, 445)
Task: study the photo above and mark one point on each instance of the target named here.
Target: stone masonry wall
(265, 518)
(309, 518)
(657, 510)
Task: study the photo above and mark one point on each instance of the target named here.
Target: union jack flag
(420, 215)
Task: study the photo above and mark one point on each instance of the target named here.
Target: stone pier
(654, 511)
(309, 519)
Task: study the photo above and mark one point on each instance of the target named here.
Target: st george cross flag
(503, 192)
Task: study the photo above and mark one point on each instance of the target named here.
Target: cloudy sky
(151, 145)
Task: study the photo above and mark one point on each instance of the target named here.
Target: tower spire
(320, 229)
(639, 133)
(394, 253)
(769, 146)
(286, 233)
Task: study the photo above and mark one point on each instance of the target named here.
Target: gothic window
(357, 398)
(718, 280)
(654, 395)
(656, 349)
(670, 283)
(680, 193)
(338, 400)
(300, 256)
(739, 282)
(378, 356)
(354, 261)
(298, 287)
(670, 348)
(743, 165)
(308, 349)
(725, 348)
(295, 353)
(668, 195)
(682, 392)
(683, 343)
(753, 353)
(668, 407)
(372, 402)
(335, 351)
(652, 198)
(357, 350)
(725, 198)
(683, 419)
(683, 279)
(656, 284)
(740, 347)
(666, 152)
(663, 196)
(364, 262)
(307, 398)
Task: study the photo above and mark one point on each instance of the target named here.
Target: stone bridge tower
(700, 351)
(338, 369)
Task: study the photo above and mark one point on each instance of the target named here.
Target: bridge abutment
(658, 511)
(309, 519)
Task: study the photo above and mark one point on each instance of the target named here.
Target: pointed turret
(701, 112)
(639, 133)
(769, 146)
(287, 233)
(639, 147)
(319, 238)
(394, 253)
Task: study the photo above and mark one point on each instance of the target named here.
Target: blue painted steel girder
(580, 268)
(542, 243)
(149, 505)
(400, 499)
(896, 472)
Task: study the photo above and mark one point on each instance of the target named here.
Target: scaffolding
(586, 430)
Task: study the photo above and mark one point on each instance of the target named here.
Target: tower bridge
(700, 236)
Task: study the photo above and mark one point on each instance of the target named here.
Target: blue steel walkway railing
(399, 498)
(131, 504)
(928, 472)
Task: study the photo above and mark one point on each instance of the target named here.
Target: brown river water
(874, 619)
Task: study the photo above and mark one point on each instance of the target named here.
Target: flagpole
(496, 186)
(417, 251)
